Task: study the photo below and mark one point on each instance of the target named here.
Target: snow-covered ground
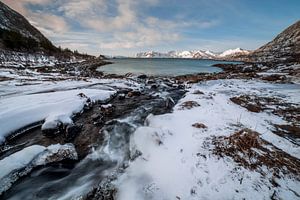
(177, 160)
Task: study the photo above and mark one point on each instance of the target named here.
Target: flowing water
(69, 180)
(160, 66)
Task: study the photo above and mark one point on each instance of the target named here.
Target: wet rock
(154, 87)
(170, 103)
(151, 82)
(71, 132)
(54, 131)
(96, 117)
(121, 96)
(107, 109)
(56, 153)
(181, 86)
(134, 93)
(199, 125)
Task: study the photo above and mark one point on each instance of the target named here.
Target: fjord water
(160, 66)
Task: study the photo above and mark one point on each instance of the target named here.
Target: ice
(53, 107)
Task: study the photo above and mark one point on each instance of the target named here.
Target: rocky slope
(285, 47)
(23, 43)
(230, 54)
(16, 33)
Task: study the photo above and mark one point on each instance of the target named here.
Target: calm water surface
(160, 66)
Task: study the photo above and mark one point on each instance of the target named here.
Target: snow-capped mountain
(231, 52)
(197, 54)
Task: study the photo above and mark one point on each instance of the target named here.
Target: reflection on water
(160, 66)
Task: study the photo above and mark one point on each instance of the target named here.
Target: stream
(70, 179)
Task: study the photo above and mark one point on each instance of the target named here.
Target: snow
(19, 159)
(53, 107)
(22, 162)
(15, 162)
(176, 160)
(233, 51)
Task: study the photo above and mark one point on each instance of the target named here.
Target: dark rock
(151, 82)
(71, 132)
(143, 76)
(53, 132)
(198, 92)
(154, 87)
(134, 93)
(121, 96)
(180, 87)
(199, 125)
(170, 103)
(96, 117)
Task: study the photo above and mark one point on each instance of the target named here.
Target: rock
(96, 117)
(121, 96)
(82, 95)
(275, 78)
(181, 87)
(199, 125)
(142, 76)
(71, 132)
(154, 87)
(134, 93)
(151, 82)
(189, 105)
(54, 131)
(170, 103)
(107, 109)
(198, 92)
(56, 153)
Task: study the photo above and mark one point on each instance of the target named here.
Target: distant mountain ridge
(197, 54)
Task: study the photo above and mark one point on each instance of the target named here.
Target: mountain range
(196, 54)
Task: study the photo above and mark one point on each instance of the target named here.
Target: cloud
(45, 21)
(114, 24)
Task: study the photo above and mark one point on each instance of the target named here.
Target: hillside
(285, 47)
(16, 33)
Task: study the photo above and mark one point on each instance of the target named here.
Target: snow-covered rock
(53, 107)
(22, 162)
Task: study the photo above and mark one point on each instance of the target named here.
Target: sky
(126, 27)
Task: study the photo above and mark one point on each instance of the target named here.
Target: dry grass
(252, 152)
(189, 105)
(199, 125)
